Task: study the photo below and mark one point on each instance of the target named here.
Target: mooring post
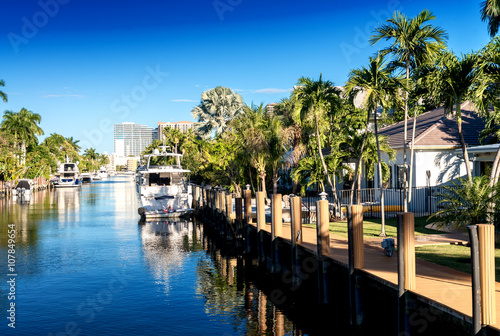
(276, 230)
(248, 217)
(229, 210)
(296, 236)
(356, 259)
(323, 244)
(261, 223)
(406, 267)
(239, 215)
(476, 282)
(486, 237)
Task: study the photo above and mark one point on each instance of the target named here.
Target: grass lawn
(371, 227)
(453, 256)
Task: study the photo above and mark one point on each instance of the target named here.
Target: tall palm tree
(413, 41)
(314, 99)
(3, 95)
(380, 89)
(490, 12)
(217, 108)
(454, 80)
(23, 125)
(74, 143)
(92, 155)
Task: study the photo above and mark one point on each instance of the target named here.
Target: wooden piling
(276, 230)
(239, 215)
(406, 268)
(247, 194)
(486, 236)
(356, 260)
(323, 246)
(296, 235)
(261, 223)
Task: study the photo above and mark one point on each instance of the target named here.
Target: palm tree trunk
(411, 152)
(405, 160)
(358, 164)
(381, 181)
(462, 140)
(325, 169)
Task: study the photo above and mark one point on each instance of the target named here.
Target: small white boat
(22, 189)
(86, 177)
(68, 176)
(103, 173)
(96, 177)
(163, 188)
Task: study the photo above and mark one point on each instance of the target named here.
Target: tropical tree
(314, 99)
(3, 95)
(467, 202)
(24, 126)
(490, 12)
(74, 143)
(381, 90)
(453, 80)
(217, 108)
(60, 147)
(413, 41)
(298, 149)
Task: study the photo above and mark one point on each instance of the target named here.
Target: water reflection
(220, 279)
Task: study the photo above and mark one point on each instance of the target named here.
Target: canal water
(77, 262)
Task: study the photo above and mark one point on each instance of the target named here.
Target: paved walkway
(449, 289)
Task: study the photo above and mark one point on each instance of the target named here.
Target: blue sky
(85, 65)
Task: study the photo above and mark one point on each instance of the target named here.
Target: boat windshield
(163, 160)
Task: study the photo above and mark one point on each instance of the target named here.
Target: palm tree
(381, 89)
(490, 12)
(74, 143)
(2, 94)
(467, 202)
(23, 125)
(217, 108)
(413, 41)
(285, 108)
(314, 99)
(453, 81)
(92, 155)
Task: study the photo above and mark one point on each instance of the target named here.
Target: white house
(437, 156)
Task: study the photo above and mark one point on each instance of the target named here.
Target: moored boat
(163, 188)
(86, 177)
(68, 176)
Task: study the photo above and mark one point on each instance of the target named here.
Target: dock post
(229, 216)
(261, 224)
(406, 267)
(239, 217)
(222, 212)
(276, 230)
(476, 282)
(248, 217)
(323, 244)
(356, 260)
(296, 236)
(486, 236)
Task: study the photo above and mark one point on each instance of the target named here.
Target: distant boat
(163, 189)
(22, 189)
(103, 173)
(86, 177)
(68, 175)
(96, 176)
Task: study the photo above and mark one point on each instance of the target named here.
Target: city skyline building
(130, 139)
(183, 126)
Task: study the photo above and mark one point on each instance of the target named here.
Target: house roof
(435, 129)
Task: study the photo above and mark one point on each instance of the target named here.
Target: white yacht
(103, 173)
(86, 177)
(68, 175)
(162, 186)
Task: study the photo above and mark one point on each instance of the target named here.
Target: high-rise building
(131, 139)
(183, 126)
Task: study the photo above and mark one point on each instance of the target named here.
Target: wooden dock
(442, 288)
